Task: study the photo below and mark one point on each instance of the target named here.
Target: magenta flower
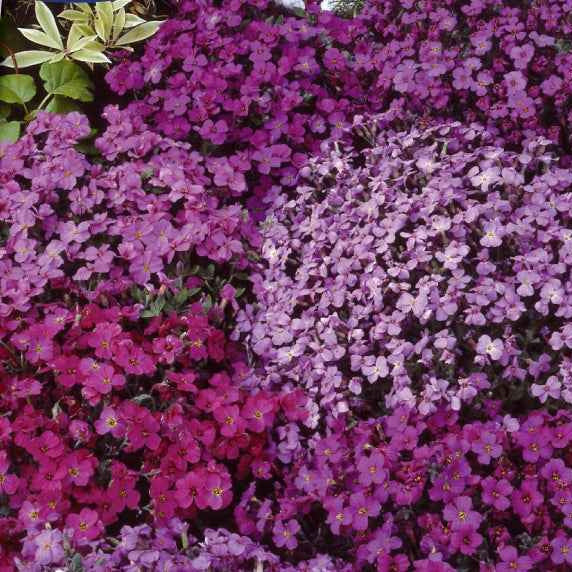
(561, 550)
(497, 493)
(459, 513)
(466, 539)
(371, 469)
(512, 562)
(8, 482)
(521, 55)
(85, 525)
(526, 499)
(486, 447)
(362, 509)
(109, 422)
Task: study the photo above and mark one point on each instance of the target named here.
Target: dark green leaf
(61, 104)
(5, 110)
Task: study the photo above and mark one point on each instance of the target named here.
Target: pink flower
(109, 422)
(371, 469)
(459, 514)
(86, 525)
(512, 562)
(104, 379)
(466, 539)
(8, 483)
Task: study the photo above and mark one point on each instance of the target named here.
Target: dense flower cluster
(429, 267)
(431, 494)
(505, 64)
(255, 88)
(108, 417)
(104, 226)
(120, 396)
(377, 378)
(168, 548)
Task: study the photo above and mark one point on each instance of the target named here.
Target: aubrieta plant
(122, 399)
(428, 267)
(378, 377)
(252, 86)
(506, 64)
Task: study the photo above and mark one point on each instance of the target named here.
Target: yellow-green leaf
(38, 37)
(81, 44)
(85, 29)
(118, 4)
(104, 12)
(131, 20)
(118, 24)
(28, 58)
(74, 16)
(57, 58)
(48, 23)
(139, 33)
(90, 56)
(95, 46)
(73, 35)
(85, 8)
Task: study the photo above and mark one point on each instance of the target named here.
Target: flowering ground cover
(295, 296)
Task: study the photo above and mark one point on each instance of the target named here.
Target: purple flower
(493, 348)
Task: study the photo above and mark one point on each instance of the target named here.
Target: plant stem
(11, 54)
(43, 102)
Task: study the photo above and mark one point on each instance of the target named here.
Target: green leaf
(76, 564)
(17, 88)
(68, 79)
(139, 33)
(48, 23)
(154, 309)
(9, 132)
(90, 56)
(38, 37)
(28, 58)
(61, 104)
